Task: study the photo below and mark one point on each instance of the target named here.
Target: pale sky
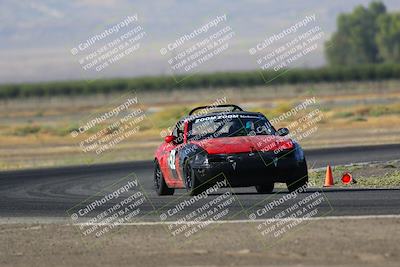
(37, 36)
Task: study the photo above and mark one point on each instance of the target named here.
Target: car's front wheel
(192, 183)
(161, 187)
(301, 179)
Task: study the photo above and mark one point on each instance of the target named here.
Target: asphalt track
(52, 192)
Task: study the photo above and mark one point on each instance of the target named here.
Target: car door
(170, 159)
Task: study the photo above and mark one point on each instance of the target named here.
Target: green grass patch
(389, 179)
(359, 118)
(343, 114)
(362, 113)
(61, 130)
(26, 130)
(380, 110)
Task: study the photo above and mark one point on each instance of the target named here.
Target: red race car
(224, 142)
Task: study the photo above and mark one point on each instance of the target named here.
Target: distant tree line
(368, 35)
(364, 72)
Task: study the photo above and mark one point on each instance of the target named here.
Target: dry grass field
(36, 132)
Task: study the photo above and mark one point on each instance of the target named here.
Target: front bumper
(248, 169)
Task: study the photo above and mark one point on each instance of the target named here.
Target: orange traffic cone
(328, 177)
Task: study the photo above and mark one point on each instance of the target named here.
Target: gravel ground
(334, 242)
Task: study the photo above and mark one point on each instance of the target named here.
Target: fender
(188, 152)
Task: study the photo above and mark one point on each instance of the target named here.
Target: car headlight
(298, 153)
(201, 159)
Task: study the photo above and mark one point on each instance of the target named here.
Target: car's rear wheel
(192, 183)
(301, 179)
(161, 187)
(265, 188)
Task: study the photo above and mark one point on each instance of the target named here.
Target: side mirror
(282, 131)
(169, 138)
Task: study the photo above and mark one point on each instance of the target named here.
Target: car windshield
(229, 125)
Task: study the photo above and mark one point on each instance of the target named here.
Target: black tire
(161, 187)
(192, 184)
(265, 188)
(301, 179)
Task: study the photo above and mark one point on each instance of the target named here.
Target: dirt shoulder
(337, 242)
